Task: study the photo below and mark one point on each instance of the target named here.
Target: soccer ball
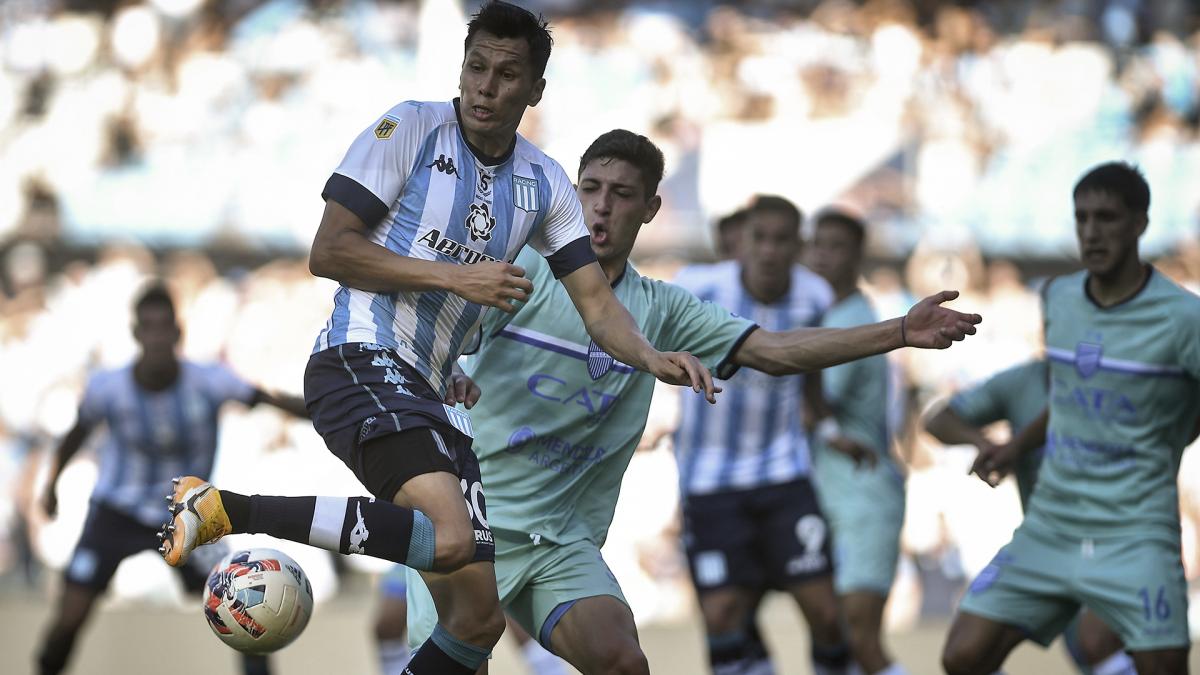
(257, 600)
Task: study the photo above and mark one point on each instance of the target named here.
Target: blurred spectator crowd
(202, 121)
(205, 127)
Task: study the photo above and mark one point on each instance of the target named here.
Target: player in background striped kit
(159, 417)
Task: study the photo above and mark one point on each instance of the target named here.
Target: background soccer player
(860, 486)
(1102, 528)
(751, 518)
(559, 418)
(1018, 395)
(160, 413)
(421, 218)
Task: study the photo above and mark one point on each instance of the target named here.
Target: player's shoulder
(420, 116)
(1064, 286)
(1177, 303)
(1032, 371)
(107, 379)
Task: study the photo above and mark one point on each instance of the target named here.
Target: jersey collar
(1145, 282)
(487, 160)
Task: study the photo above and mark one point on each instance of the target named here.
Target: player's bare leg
(818, 603)
(727, 613)
(74, 607)
(391, 628)
(864, 624)
(1098, 644)
(612, 650)
(1161, 661)
(977, 645)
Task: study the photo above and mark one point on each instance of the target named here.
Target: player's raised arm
(927, 325)
(342, 251)
(612, 327)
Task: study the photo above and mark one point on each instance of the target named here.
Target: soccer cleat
(198, 518)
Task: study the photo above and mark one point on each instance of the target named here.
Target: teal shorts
(1040, 579)
(538, 583)
(865, 511)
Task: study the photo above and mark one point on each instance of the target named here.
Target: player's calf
(1161, 661)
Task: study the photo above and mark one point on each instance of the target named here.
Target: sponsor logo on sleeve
(385, 128)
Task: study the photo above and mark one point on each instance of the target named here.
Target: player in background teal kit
(559, 418)
(860, 486)
(1102, 529)
(1018, 396)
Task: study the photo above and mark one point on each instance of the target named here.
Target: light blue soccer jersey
(1124, 401)
(413, 178)
(754, 436)
(151, 437)
(559, 419)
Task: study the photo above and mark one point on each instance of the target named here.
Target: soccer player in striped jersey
(1102, 527)
(751, 517)
(860, 485)
(422, 221)
(560, 418)
(1018, 395)
(160, 414)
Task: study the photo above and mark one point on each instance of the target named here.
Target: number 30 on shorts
(472, 495)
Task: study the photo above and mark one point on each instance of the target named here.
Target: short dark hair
(843, 218)
(633, 148)
(154, 294)
(777, 204)
(731, 220)
(506, 20)
(1118, 178)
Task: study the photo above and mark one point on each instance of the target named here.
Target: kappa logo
(385, 129)
(480, 223)
(358, 536)
(445, 165)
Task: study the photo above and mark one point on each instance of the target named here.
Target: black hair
(777, 204)
(153, 295)
(851, 222)
(1118, 178)
(633, 148)
(506, 20)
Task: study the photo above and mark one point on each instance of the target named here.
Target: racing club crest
(480, 223)
(525, 193)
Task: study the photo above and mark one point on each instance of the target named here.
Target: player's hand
(863, 457)
(683, 369)
(50, 501)
(492, 284)
(461, 389)
(994, 462)
(928, 325)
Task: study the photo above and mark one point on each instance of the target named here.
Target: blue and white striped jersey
(753, 436)
(152, 437)
(415, 180)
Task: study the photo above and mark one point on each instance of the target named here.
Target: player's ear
(539, 88)
(652, 208)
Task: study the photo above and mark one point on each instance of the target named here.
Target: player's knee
(722, 613)
(453, 549)
(825, 625)
(1096, 646)
(960, 657)
(625, 658)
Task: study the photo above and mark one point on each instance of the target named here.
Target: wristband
(903, 335)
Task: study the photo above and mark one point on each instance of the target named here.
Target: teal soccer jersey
(864, 505)
(1124, 400)
(559, 419)
(1018, 395)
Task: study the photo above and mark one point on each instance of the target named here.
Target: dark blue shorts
(772, 536)
(357, 393)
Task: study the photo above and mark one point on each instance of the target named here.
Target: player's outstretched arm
(293, 405)
(67, 448)
(950, 429)
(612, 327)
(342, 251)
(927, 325)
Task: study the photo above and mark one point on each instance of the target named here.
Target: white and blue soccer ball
(257, 600)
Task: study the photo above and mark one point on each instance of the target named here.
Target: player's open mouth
(599, 236)
(480, 112)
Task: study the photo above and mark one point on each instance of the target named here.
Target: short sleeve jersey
(1124, 402)
(560, 419)
(1017, 395)
(424, 192)
(151, 437)
(753, 436)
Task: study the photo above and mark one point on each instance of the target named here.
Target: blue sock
(444, 654)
